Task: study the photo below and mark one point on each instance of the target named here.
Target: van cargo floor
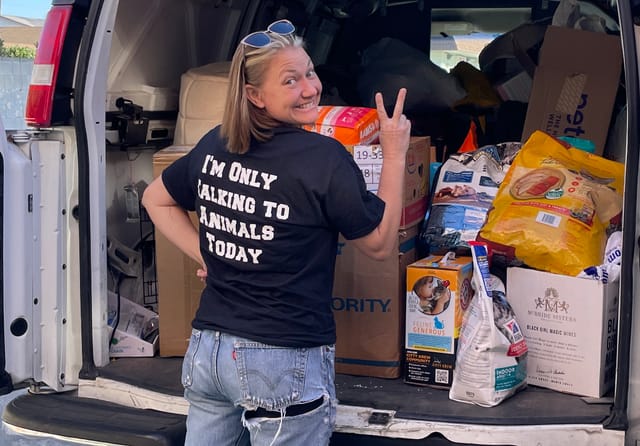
(532, 406)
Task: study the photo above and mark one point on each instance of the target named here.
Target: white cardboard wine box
(570, 326)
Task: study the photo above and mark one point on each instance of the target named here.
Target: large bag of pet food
(555, 207)
(491, 364)
(465, 187)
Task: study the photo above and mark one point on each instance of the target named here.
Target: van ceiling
(155, 41)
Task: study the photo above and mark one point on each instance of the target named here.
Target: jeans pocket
(270, 377)
(189, 358)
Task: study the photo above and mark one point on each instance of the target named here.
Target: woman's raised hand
(395, 131)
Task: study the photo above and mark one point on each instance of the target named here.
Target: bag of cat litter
(492, 358)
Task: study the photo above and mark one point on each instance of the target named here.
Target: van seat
(203, 91)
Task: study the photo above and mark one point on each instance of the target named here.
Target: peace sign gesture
(395, 131)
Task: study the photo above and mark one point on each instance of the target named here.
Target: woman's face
(291, 89)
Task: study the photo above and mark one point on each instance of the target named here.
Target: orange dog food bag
(349, 125)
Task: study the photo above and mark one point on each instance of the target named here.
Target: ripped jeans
(243, 392)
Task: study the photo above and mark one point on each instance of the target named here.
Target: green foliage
(23, 52)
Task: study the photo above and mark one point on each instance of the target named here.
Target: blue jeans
(243, 392)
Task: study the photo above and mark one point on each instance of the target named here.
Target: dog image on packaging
(438, 293)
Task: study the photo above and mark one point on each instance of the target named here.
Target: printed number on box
(369, 160)
(367, 154)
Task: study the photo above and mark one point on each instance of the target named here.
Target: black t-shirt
(269, 224)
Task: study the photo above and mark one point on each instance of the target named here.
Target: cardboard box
(575, 85)
(368, 305)
(135, 335)
(416, 178)
(438, 293)
(178, 287)
(349, 125)
(570, 326)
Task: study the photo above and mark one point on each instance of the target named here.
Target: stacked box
(416, 177)
(575, 84)
(179, 288)
(368, 306)
(438, 293)
(570, 325)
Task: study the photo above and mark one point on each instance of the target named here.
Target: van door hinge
(30, 203)
(23, 136)
(20, 137)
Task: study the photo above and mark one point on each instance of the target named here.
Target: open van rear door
(35, 190)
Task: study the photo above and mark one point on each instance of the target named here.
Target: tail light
(45, 67)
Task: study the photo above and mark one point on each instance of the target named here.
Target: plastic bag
(609, 271)
(513, 52)
(491, 364)
(568, 14)
(390, 64)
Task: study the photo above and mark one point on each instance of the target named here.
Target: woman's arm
(171, 220)
(395, 132)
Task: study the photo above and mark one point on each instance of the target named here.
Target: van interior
(437, 49)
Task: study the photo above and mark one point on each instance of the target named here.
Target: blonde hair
(242, 119)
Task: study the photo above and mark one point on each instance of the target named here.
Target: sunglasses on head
(260, 39)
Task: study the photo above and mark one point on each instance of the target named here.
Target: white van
(105, 96)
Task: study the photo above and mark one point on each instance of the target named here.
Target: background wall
(15, 75)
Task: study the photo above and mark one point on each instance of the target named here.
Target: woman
(271, 199)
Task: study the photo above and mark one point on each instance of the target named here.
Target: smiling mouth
(307, 106)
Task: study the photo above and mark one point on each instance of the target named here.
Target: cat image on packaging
(438, 292)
